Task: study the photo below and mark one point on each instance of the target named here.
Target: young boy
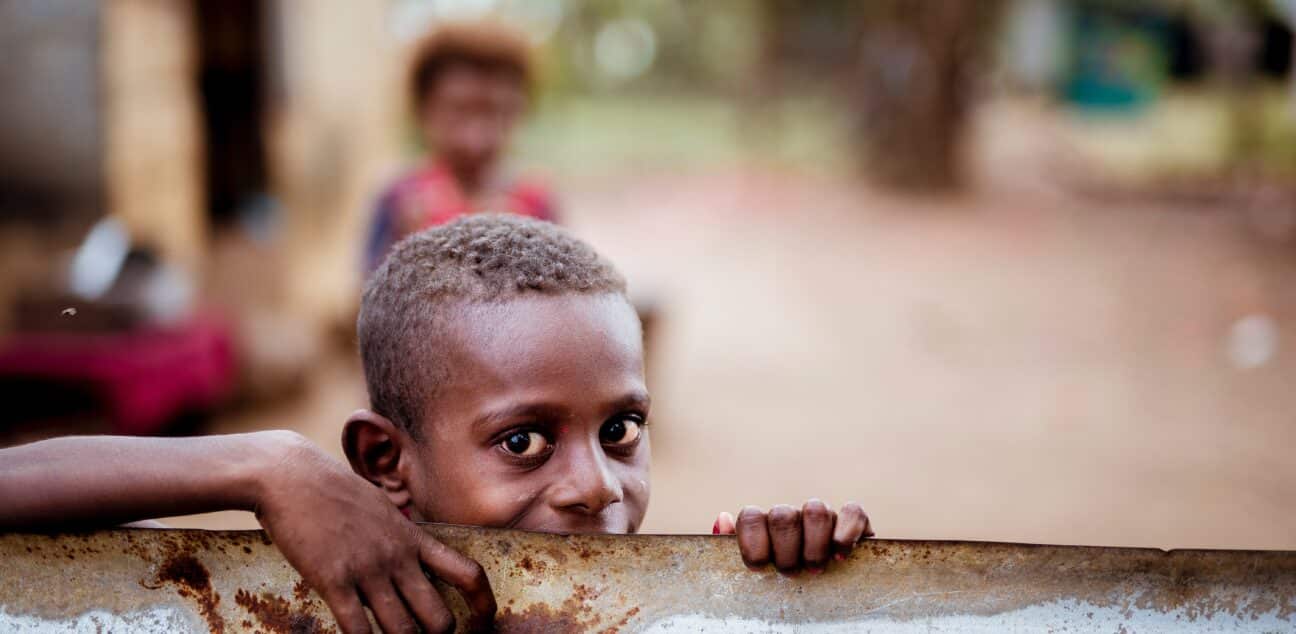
(505, 375)
(469, 85)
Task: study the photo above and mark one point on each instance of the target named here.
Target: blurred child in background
(469, 85)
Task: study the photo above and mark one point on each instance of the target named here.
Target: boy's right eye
(525, 443)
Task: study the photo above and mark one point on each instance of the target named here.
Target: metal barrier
(140, 580)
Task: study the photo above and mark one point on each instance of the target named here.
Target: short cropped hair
(480, 258)
(488, 46)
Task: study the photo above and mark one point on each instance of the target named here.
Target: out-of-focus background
(1007, 270)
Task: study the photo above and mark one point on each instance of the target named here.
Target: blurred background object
(1013, 270)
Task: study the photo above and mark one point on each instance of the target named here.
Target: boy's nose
(589, 486)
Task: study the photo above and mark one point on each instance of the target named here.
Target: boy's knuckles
(395, 555)
(816, 512)
(852, 509)
(335, 578)
(784, 519)
(750, 521)
(368, 569)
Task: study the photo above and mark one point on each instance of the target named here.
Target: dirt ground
(1019, 364)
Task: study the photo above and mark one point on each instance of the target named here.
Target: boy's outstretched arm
(91, 482)
(338, 530)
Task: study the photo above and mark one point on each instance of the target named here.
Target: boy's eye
(621, 432)
(525, 443)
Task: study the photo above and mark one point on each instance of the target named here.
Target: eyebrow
(636, 399)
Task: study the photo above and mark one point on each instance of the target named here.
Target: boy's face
(469, 115)
(540, 424)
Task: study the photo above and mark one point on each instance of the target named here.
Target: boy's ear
(374, 446)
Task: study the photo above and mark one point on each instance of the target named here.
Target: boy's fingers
(424, 601)
(753, 537)
(817, 522)
(465, 575)
(387, 607)
(724, 525)
(785, 537)
(852, 526)
(347, 609)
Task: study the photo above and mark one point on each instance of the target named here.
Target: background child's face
(541, 423)
(470, 114)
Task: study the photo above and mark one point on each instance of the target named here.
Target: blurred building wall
(334, 136)
(49, 125)
(331, 119)
(152, 142)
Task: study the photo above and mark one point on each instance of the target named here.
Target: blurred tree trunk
(913, 87)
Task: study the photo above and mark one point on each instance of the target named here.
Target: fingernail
(839, 557)
(715, 528)
(815, 571)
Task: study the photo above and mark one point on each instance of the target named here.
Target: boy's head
(468, 85)
(505, 372)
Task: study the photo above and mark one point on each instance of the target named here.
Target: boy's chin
(582, 525)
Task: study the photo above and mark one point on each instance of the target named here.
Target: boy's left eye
(620, 432)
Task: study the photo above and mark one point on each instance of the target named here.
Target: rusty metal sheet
(141, 580)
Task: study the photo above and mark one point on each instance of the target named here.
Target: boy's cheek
(490, 505)
(636, 502)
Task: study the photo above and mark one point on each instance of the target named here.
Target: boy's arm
(87, 482)
(338, 530)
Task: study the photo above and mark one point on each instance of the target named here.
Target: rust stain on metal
(539, 617)
(151, 580)
(193, 582)
(301, 591)
(576, 614)
(279, 616)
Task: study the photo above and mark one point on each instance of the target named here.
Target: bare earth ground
(1014, 365)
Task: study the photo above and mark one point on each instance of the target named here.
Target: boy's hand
(793, 539)
(353, 546)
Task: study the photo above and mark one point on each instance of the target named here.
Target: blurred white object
(167, 295)
(625, 48)
(99, 259)
(1034, 42)
(1252, 341)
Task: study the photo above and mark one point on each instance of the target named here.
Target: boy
(505, 375)
(468, 87)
